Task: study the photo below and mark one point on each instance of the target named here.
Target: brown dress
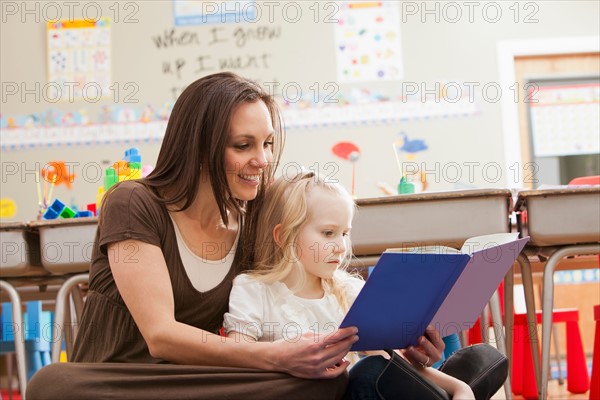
(111, 357)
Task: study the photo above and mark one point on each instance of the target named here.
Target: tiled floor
(555, 392)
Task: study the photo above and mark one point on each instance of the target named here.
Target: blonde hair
(286, 205)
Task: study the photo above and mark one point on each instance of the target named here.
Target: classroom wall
(463, 151)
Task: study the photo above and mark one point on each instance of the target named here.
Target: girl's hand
(428, 352)
(314, 356)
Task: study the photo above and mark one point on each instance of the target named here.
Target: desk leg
(509, 318)
(485, 325)
(19, 331)
(548, 303)
(527, 277)
(499, 335)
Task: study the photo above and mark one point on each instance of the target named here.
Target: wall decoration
(406, 150)
(350, 152)
(367, 40)
(89, 135)
(8, 208)
(201, 12)
(79, 61)
(565, 119)
(376, 112)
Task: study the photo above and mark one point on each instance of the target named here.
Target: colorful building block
(133, 155)
(92, 207)
(58, 210)
(67, 213)
(110, 178)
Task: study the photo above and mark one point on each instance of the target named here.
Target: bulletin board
(563, 116)
(350, 75)
(298, 52)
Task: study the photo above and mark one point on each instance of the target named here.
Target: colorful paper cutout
(78, 58)
(368, 45)
(8, 208)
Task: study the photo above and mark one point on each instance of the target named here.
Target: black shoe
(480, 366)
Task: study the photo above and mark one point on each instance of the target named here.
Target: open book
(414, 287)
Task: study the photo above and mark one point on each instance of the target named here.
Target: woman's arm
(143, 281)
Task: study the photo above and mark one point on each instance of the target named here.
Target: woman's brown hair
(196, 136)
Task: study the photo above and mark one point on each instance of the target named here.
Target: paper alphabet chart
(79, 60)
(367, 39)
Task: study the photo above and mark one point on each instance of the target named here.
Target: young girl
(299, 287)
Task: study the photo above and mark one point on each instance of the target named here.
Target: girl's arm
(456, 388)
(429, 351)
(141, 275)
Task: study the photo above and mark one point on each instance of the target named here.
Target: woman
(167, 249)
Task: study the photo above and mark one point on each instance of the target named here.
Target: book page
(483, 242)
(424, 250)
(477, 283)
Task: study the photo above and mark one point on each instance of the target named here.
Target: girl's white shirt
(270, 311)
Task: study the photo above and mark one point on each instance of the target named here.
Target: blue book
(411, 288)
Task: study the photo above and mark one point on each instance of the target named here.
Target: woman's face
(249, 149)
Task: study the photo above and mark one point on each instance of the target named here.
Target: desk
(561, 223)
(444, 218)
(19, 257)
(37, 261)
(20, 249)
(66, 244)
(66, 249)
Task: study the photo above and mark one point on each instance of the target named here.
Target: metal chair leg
(62, 301)
(509, 317)
(548, 303)
(19, 334)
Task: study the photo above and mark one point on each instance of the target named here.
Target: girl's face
(323, 240)
(249, 149)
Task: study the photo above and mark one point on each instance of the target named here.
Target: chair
(36, 340)
(61, 318)
(19, 338)
(523, 371)
(561, 223)
(522, 364)
(595, 387)
(585, 180)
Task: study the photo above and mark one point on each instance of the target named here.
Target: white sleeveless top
(205, 274)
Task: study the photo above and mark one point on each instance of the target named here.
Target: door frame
(507, 50)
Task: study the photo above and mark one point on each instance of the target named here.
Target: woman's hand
(428, 352)
(314, 356)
